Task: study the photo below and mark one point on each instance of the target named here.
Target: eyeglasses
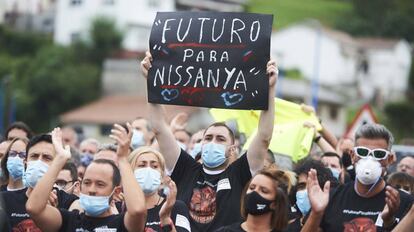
(378, 153)
(21, 154)
(62, 183)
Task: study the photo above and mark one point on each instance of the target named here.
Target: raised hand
(122, 138)
(165, 211)
(392, 204)
(179, 122)
(146, 63)
(273, 72)
(318, 198)
(58, 144)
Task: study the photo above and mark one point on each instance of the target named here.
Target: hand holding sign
(210, 59)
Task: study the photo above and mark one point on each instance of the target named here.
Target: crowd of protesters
(156, 176)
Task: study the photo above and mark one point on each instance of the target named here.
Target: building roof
(117, 109)
(377, 43)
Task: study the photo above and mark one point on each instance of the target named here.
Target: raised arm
(258, 148)
(47, 217)
(135, 217)
(166, 140)
(319, 200)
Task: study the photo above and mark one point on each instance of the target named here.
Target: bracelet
(316, 140)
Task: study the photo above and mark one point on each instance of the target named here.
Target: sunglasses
(21, 154)
(378, 153)
(62, 183)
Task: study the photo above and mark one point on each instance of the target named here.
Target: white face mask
(368, 171)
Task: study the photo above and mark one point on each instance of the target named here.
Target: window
(75, 2)
(333, 112)
(106, 129)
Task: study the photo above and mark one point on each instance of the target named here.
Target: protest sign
(210, 59)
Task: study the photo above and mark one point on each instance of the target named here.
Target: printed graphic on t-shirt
(26, 226)
(203, 204)
(360, 224)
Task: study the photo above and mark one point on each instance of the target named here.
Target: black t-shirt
(213, 200)
(179, 215)
(73, 221)
(236, 227)
(347, 211)
(15, 208)
(65, 199)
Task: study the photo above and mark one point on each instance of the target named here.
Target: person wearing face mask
(367, 204)
(212, 190)
(40, 154)
(264, 204)
(12, 164)
(299, 195)
(402, 181)
(333, 161)
(164, 212)
(102, 179)
(142, 133)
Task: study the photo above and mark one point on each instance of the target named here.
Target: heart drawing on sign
(169, 94)
(231, 99)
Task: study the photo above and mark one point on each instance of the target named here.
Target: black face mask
(255, 204)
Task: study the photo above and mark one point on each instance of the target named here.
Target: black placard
(210, 59)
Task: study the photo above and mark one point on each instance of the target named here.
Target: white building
(370, 67)
(133, 17)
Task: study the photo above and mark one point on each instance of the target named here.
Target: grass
(286, 12)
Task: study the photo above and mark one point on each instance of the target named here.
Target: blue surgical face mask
(213, 154)
(94, 205)
(196, 149)
(302, 202)
(86, 159)
(335, 173)
(137, 139)
(149, 179)
(15, 166)
(182, 145)
(34, 171)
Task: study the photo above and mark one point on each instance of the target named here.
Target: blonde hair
(135, 154)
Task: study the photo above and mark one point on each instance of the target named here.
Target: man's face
(219, 135)
(64, 181)
(331, 162)
(88, 148)
(142, 125)
(372, 144)
(301, 185)
(17, 133)
(3, 148)
(42, 151)
(406, 165)
(97, 180)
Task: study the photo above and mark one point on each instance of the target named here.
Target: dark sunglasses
(378, 153)
(21, 154)
(62, 183)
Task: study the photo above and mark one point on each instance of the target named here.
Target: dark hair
(400, 179)
(375, 131)
(21, 126)
(71, 167)
(116, 177)
(185, 131)
(333, 154)
(37, 139)
(6, 156)
(279, 219)
(221, 124)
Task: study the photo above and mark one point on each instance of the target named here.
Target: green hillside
(291, 11)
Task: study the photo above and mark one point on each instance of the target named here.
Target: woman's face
(18, 149)
(264, 186)
(148, 160)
